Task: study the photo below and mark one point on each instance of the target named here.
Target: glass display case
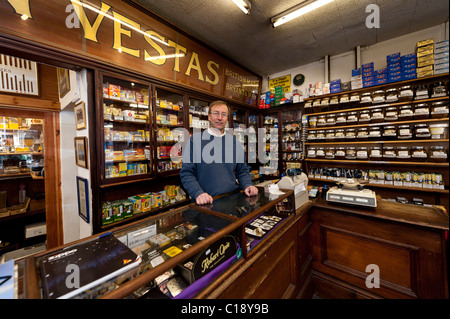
(292, 142)
(126, 129)
(198, 114)
(270, 125)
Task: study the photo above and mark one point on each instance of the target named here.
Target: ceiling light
(297, 11)
(244, 5)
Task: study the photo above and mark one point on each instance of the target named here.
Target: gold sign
(283, 81)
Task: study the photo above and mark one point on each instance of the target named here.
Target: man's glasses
(217, 114)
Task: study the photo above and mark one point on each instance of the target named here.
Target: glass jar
(311, 136)
(421, 111)
(366, 98)
(439, 109)
(421, 92)
(406, 93)
(321, 121)
(419, 154)
(378, 96)
(375, 153)
(320, 153)
(329, 135)
(307, 108)
(404, 132)
(363, 133)
(389, 132)
(364, 117)
(389, 153)
(334, 100)
(391, 95)
(312, 121)
(376, 116)
(311, 152)
(354, 97)
(439, 131)
(391, 114)
(352, 118)
(403, 153)
(374, 133)
(331, 120)
(362, 153)
(341, 119)
(406, 113)
(421, 131)
(339, 153)
(316, 106)
(438, 89)
(330, 152)
(344, 98)
(339, 135)
(320, 135)
(350, 134)
(438, 154)
(325, 105)
(350, 153)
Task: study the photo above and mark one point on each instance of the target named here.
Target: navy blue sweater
(212, 164)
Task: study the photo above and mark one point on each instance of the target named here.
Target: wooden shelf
(381, 162)
(380, 142)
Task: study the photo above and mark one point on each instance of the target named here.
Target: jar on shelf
(376, 116)
(362, 153)
(391, 95)
(330, 152)
(311, 136)
(421, 111)
(404, 132)
(321, 121)
(375, 153)
(311, 152)
(320, 153)
(312, 121)
(363, 133)
(350, 134)
(354, 97)
(406, 93)
(403, 153)
(421, 92)
(421, 131)
(344, 98)
(339, 135)
(320, 135)
(389, 132)
(325, 105)
(389, 153)
(350, 153)
(352, 118)
(316, 106)
(366, 98)
(329, 135)
(439, 109)
(331, 120)
(307, 108)
(419, 153)
(405, 113)
(438, 89)
(378, 96)
(334, 100)
(364, 117)
(339, 153)
(391, 114)
(374, 133)
(341, 119)
(438, 154)
(439, 131)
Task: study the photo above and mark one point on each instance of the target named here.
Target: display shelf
(379, 142)
(396, 163)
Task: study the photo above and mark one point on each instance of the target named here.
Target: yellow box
(157, 202)
(146, 202)
(425, 42)
(136, 202)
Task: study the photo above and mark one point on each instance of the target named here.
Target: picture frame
(81, 153)
(80, 115)
(83, 198)
(63, 81)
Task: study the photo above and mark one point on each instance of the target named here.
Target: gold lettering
(118, 31)
(21, 7)
(90, 31)
(196, 66)
(178, 50)
(155, 46)
(214, 72)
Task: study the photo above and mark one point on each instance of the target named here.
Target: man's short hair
(219, 103)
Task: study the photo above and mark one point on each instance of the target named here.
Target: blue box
(380, 71)
(367, 74)
(395, 73)
(334, 82)
(381, 76)
(367, 66)
(409, 65)
(409, 76)
(368, 83)
(394, 69)
(408, 71)
(395, 78)
(335, 89)
(369, 78)
(356, 72)
(381, 81)
(393, 58)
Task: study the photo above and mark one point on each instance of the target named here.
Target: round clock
(299, 79)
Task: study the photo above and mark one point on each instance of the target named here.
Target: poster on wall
(283, 81)
(83, 198)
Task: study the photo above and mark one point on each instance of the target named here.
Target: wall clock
(299, 79)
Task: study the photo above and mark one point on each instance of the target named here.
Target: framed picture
(81, 155)
(63, 81)
(80, 116)
(83, 198)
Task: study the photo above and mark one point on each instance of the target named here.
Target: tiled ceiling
(338, 27)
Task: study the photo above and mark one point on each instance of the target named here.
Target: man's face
(218, 117)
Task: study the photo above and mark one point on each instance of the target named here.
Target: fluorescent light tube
(298, 11)
(243, 5)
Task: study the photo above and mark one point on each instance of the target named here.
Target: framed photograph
(80, 116)
(81, 155)
(63, 81)
(83, 198)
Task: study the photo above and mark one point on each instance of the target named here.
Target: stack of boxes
(394, 68)
(409, 64)
(356, 81)
(425, 58)
(381, 76)
(335, 86)
(368, 74)
(441, 57)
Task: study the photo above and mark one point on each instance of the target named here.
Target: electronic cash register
(297, 181)
(352, 191)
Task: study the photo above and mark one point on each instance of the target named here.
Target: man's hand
(204, 198)
(251, 191)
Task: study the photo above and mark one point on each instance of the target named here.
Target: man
(213, 160)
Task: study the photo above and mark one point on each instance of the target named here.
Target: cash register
(352, 191)
(297, 181)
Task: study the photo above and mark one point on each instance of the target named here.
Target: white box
(34, 230)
